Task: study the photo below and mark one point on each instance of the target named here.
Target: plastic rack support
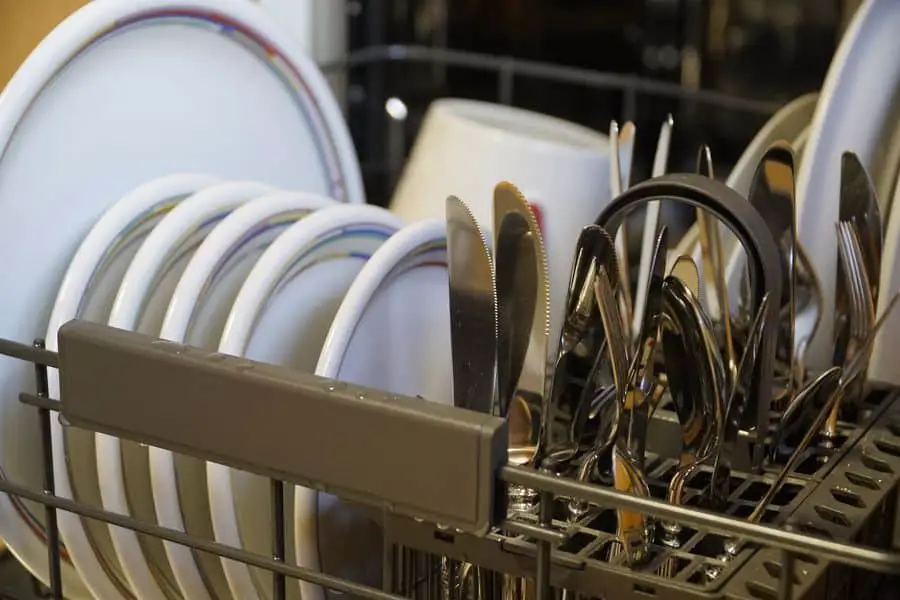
(362, 444)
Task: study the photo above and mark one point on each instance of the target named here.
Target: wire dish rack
(436, 477)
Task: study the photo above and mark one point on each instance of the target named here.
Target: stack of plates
(175, 167)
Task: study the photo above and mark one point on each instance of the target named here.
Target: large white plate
(281, 316)
(883, 364)
(856, 101)
(122, 92)
(86, 292)
(392, 333)
(196, 315)
(144, 294)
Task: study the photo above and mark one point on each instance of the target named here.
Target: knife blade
(473, 309)
(516, 274)
(651, 221)
(621, 155)
(772, 195)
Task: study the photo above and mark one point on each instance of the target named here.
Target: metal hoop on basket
(762, 259)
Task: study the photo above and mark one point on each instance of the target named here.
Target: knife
(473, 310)
(516, 276)
(651, 222)
(772, 195)
(733, 410)
(473, 332)
(621, 155)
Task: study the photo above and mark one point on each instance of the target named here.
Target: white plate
(392, 333)
(281, 316)
(857, 99)
(111, 99)
(143, 296)
(196, 315)
(883, 364)
(800, 143)
(86, 292)
(787, 124)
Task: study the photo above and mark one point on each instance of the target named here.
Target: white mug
(465, 147)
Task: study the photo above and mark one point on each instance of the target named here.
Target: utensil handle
(447, 578)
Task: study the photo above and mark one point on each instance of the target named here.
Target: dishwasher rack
(460, 475)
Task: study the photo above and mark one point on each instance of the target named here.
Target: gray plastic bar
(363, 444)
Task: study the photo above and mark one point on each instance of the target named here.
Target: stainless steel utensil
(686, 270)
(738, 400)
(772, 194)
(826, 391)
(473, 330)
(617, 352)
(621, 155)
(523, 435)
(516, 280)
(860, 315)
(859, 205)
(628, 452)
(580, 340)
(694, 368)
(651, 222)
(473, 309)
(695, 375)
(714, 265)
(817, 391)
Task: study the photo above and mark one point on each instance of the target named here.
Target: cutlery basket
(855, 503)
(438, 481)
(664, 436)
(584, 564)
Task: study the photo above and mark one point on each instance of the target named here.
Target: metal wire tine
(862, 306)
(862, 280)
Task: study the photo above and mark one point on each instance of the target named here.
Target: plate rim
(225, 239)
(254, 294)
(377, 270)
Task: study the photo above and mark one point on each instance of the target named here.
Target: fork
(861, 316)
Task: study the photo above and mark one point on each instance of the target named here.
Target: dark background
(767, 50)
